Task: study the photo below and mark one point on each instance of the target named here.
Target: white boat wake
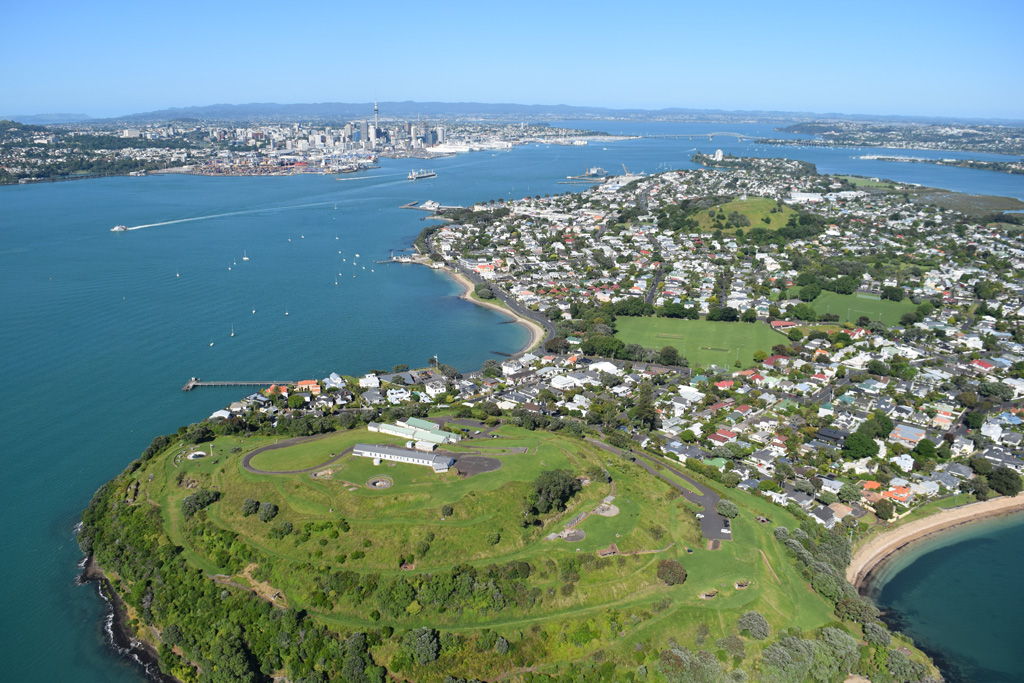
(230, 213)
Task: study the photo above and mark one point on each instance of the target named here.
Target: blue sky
(107, 58)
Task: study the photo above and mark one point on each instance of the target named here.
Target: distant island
(977, 137)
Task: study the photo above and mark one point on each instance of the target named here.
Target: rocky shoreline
(115, 624)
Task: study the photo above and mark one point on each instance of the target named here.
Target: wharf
(196, 382)
(432, 207)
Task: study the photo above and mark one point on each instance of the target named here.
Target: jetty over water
(196, 382)
(709, 136)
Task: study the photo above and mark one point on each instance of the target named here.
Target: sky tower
(375, 122)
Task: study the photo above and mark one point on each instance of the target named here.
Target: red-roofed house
(982, 365)
(899, 493)
(310, 385)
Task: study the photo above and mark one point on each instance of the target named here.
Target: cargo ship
(421, 174)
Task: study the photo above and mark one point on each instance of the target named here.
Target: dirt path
(769, 565)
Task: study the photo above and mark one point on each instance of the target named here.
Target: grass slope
(754, 208)
(615, 603)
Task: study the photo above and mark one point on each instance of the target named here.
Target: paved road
(285, 444)
(711, 525)
(652, 291)
(501, 295)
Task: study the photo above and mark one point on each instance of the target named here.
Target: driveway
(711, 525)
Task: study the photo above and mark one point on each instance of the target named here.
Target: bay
(102, 329)
(955, 596)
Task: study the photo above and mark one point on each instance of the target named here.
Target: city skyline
(877, 59)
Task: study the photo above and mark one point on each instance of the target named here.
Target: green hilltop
(355, 571)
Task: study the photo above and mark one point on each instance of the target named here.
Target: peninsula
(673, 475)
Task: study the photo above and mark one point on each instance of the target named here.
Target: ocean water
(100, 330)
(957, 598)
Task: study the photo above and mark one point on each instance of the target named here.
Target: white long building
(415, 429)
(439, 463)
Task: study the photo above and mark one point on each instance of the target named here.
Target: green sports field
(849, 307)
(701, 342)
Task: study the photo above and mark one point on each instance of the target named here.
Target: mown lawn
(849, 307)
(702, 343)
(870, 183)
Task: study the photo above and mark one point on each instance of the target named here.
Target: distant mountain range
(340, 111)
(46, 119)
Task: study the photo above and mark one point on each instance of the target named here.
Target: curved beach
(877, 549)
(537, 332)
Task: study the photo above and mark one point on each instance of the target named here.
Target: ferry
(421, 174)
(119, 228)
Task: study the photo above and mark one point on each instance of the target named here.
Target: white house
(904, 462)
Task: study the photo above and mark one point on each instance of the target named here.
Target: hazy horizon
(877, 59)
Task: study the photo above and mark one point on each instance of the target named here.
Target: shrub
(755, 624)
(422, 644)
(876, 634)
(267, 512)
(552, 490)
(733, 645)
(198, 500)
(250, 506)
(281, 530)
(447, 511)
(903, 669)
(671, 572)
(727, 508)
(781, 533)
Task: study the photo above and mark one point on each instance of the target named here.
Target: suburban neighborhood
(812, 341)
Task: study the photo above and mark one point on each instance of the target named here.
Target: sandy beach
(536, 331)
(871, 554)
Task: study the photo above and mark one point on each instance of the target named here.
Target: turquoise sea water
(956, 596)
(101, 329)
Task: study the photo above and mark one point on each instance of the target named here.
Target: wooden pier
(196, 382)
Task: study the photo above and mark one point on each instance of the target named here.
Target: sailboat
(177, 274)
(232, 330)
(286, 311)
(254, 311)
(244, 257)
